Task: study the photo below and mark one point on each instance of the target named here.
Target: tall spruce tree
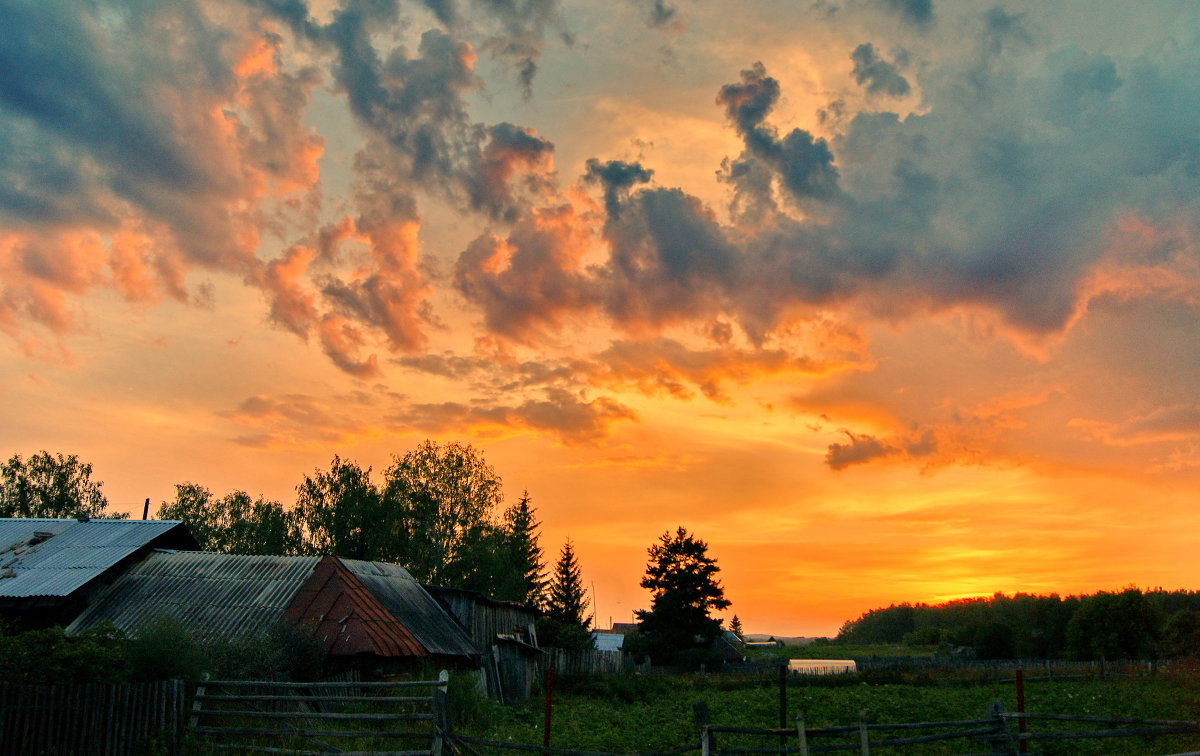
(565, 623)
(735, 627)
(683, 584)
(520, 528)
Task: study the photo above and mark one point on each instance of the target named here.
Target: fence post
(801, 734)
(783, 672)
(700, 717)
(1022, 745)
(549, 685)
(440, 701)
(864, 739)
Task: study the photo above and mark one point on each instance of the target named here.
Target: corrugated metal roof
(75, 554)
(349, 619)
(223, 595)
(218, 595)
(435, 628)
(14, 529)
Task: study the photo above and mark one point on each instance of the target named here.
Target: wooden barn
(367, 614)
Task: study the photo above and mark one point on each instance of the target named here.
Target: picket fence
(90, 720)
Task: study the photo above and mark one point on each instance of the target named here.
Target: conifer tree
(682, 579)
(735, 627)
(521, 536)
(565, 623)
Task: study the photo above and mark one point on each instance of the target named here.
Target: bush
(163, 648)
(41, 657)
(283, 652)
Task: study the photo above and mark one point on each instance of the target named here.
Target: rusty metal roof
(434, 627)
(223, 595)
(217, 595)
(54, 558)
(347, 617)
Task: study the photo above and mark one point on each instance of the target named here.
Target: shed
(51, 568)
(227, 596)
(505, 634)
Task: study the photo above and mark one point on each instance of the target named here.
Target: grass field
(629, 714)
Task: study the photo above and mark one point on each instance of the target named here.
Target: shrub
(164, 648)
(50, 656)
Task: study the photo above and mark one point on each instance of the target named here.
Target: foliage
(282, 652)
(163, 648)
(1124, 625)
(234, 524)
(735, 627)
(565, 622)
(1181, 635)
(439, 502)
(526, 579)
(341, 512)
(637, 713)
(435, 514)
(1128, 624)
(51, 486)
(683, 588)
(96, 655)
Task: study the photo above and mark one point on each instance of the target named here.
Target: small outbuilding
(505, 634)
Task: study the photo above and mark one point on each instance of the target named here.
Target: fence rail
(992, 733)
(244, 716)
(93, 719)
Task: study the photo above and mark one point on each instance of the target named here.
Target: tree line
(438, 512)
(1126, 624)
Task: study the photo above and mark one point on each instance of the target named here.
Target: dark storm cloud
(982, 200)
(918, 12)
(662, 14)
(669, 261)
(879, 76)
(88, 134)
(803, 164)
(617, 177)
(860, 450)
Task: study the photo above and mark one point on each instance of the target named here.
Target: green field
(629, 714)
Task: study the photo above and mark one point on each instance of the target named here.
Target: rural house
(50, 569)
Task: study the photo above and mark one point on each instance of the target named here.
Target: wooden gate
(359, 718)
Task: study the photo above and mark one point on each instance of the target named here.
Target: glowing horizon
(886, 300)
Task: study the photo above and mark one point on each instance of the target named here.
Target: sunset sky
(886, 300)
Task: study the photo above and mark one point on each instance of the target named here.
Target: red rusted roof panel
(334, 603)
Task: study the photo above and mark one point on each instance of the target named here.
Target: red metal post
(546, 723)
(1022, 745)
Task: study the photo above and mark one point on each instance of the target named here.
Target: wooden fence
(90, 720)
(992, 734)
(243, 716)
(587, 661)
